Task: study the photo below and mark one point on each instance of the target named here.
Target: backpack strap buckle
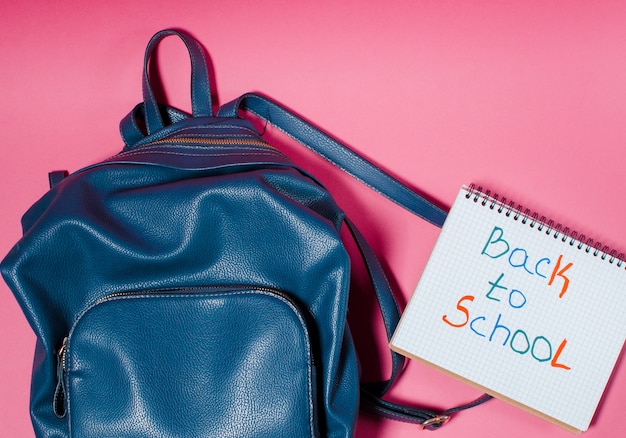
(435, 422)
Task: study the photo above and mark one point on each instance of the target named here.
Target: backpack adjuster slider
(435, 422)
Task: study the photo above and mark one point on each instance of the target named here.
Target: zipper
(211, 142)
(60, 392)
(115, 295)
(58, 403)
(112, 296)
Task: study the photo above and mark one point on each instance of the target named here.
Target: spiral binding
(510, 208)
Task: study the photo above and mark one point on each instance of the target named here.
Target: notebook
(527, 311)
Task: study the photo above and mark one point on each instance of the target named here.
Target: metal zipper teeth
(212, 141)
(177, 290)
(62, 351)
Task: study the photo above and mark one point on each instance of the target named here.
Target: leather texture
(196, 284)
(138, 224)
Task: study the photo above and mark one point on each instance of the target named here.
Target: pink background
(527, 98)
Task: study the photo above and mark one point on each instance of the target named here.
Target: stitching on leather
(206, 78)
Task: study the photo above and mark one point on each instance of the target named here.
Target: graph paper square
(518, 309)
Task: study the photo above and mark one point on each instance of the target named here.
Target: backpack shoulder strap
(372, 393)
(336, 153)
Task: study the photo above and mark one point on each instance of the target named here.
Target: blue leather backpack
(196, 285)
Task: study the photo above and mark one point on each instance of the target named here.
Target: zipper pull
(58, 403)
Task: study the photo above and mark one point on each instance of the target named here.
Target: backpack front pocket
(190, 363)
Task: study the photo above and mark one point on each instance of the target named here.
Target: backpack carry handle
(200, 85)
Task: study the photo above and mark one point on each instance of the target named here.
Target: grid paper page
(511, 307)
